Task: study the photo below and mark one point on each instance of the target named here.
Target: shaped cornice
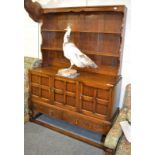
(34, 10)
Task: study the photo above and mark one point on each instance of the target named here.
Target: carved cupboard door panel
(40, 87)
(65, 93)
(94, 101)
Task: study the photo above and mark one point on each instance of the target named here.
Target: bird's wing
(74, 48)
(76, 56)
(84, 59)
(87, 61)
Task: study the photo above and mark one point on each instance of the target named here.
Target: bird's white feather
(75, 56)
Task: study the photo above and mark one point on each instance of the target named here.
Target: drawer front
(52, 112)
(40, 108)
(55, 113)
(99, 126)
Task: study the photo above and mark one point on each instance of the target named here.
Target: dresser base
(69, 133)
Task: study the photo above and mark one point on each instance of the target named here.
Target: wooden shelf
(74, 31)
(110, 8)
(108, 54)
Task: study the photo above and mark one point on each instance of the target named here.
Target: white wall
(30, 37)
(32, 47)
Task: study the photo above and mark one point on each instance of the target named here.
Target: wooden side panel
(116, 96)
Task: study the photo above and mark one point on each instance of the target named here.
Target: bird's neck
(67, 37)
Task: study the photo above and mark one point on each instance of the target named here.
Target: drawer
(99, 127)
(55, 113)
(96, 126)
(40, 108)
(52, 112)
(70, 118)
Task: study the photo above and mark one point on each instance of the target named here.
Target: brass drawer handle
(76, 121)
(51, 112)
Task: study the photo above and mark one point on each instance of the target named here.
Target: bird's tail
(87, 61)
(93, 65)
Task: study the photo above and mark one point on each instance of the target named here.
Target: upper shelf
(75, 31)
(115, 8)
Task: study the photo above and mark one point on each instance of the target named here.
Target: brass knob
(52, 112)
(76, 121)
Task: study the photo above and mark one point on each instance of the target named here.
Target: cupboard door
(40, 87)
(64, 93)
(94, 101)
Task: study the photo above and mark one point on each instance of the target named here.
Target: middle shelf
(82, 31)
(108, 54)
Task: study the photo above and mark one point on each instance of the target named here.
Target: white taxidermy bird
(72, 53)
